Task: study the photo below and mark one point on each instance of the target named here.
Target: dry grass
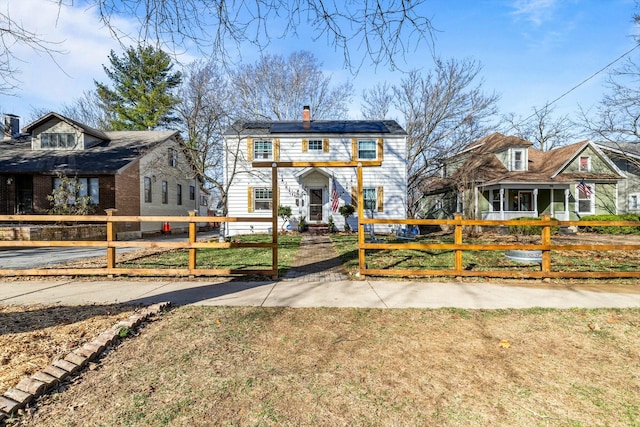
(32, 337)
(327, 367)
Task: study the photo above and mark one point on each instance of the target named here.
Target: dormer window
(518, 160)
(57, 140)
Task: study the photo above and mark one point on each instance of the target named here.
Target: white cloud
(50, 81)
(535, 11)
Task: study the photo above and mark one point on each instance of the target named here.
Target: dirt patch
(32, 337)
(326, 367)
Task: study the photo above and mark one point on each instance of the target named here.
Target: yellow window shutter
(354, 196)
(380, 199)
(325, 145)
(305, 145)
(249, 199)
(250, 149)
(354, 149)
(276, 150)
(380, 149)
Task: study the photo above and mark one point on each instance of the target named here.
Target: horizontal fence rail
(111, 245)
(546, 247)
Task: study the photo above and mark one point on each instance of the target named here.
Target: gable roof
(324, 127)
(84, 128)
(116, 150)
(543, 166)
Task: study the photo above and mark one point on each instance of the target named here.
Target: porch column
(566, 202)
(502, 203)
(475, 195)
(551, 211)
(535, 201)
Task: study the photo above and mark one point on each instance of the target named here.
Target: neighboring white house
(314, 193)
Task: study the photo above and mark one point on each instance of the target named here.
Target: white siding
(295, 181)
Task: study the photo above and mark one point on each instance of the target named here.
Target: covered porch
(504, 202)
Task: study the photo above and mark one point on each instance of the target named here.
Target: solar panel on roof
(330, 127)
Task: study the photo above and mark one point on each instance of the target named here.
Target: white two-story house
(314, 194)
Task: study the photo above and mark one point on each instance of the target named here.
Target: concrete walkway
(317, 279)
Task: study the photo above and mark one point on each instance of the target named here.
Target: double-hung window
(192, 192)
(263, 150)
(634, 202)
(262, 199)
(179, 193)
(586, 198)
(172, 158)
(517, 160)
(367, 149)
(165, 192)
(585, 164)
(370, 198)
(147, 189)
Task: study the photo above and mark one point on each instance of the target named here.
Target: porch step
(318, 228)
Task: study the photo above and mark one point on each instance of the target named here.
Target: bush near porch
(612, 229)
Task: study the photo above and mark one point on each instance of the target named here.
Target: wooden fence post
(274, 220)
(361, 251)
(457, 239)
(192, 239)
(546, 244)
(111, 237)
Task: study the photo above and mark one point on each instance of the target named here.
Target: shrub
(613, 229)
(530, 230)
(346, 211)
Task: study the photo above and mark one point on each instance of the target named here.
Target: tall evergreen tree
(143, 90)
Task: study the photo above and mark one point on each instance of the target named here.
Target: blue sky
(532, 51)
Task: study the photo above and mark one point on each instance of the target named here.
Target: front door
(24, 194)
(524, 200)
(315, 204)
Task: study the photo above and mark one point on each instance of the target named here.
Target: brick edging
(29, 388)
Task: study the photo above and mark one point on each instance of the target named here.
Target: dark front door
(24, 194)
(315, 204)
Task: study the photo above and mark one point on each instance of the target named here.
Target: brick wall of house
(127, 195)
(107, 188)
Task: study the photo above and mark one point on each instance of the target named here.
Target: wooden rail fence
(111, 245)
(546, 247)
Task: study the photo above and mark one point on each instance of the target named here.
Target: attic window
(585, 164)
(517, 160)
(57, 140)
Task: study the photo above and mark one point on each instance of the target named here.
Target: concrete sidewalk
(293, 293)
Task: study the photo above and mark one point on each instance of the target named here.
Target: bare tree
(206, 108)
(376, 29)
(617, 117)
(14, 34)
(541, 128)
(443, 112)
(88, 109)
(377, 101)
(276, 88)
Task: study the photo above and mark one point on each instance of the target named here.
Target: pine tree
(143, 90)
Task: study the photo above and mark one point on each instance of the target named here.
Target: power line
(581, 83)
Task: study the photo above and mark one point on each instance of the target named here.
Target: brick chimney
(306, 117)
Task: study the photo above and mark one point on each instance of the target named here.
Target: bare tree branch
(377, 30)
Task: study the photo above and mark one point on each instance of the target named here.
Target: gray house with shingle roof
(135, 172)
(504, 177)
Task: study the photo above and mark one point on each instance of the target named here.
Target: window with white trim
(57, 140)
(367, 149)
(584, 164)
(192, 192)
(315, 145)
(262, 199)
(517, 160)
(172, 157)
(634, 202)
(179, 194)
(585, 196)
(263, 150)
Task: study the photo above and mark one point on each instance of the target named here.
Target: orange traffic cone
(166, 228)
